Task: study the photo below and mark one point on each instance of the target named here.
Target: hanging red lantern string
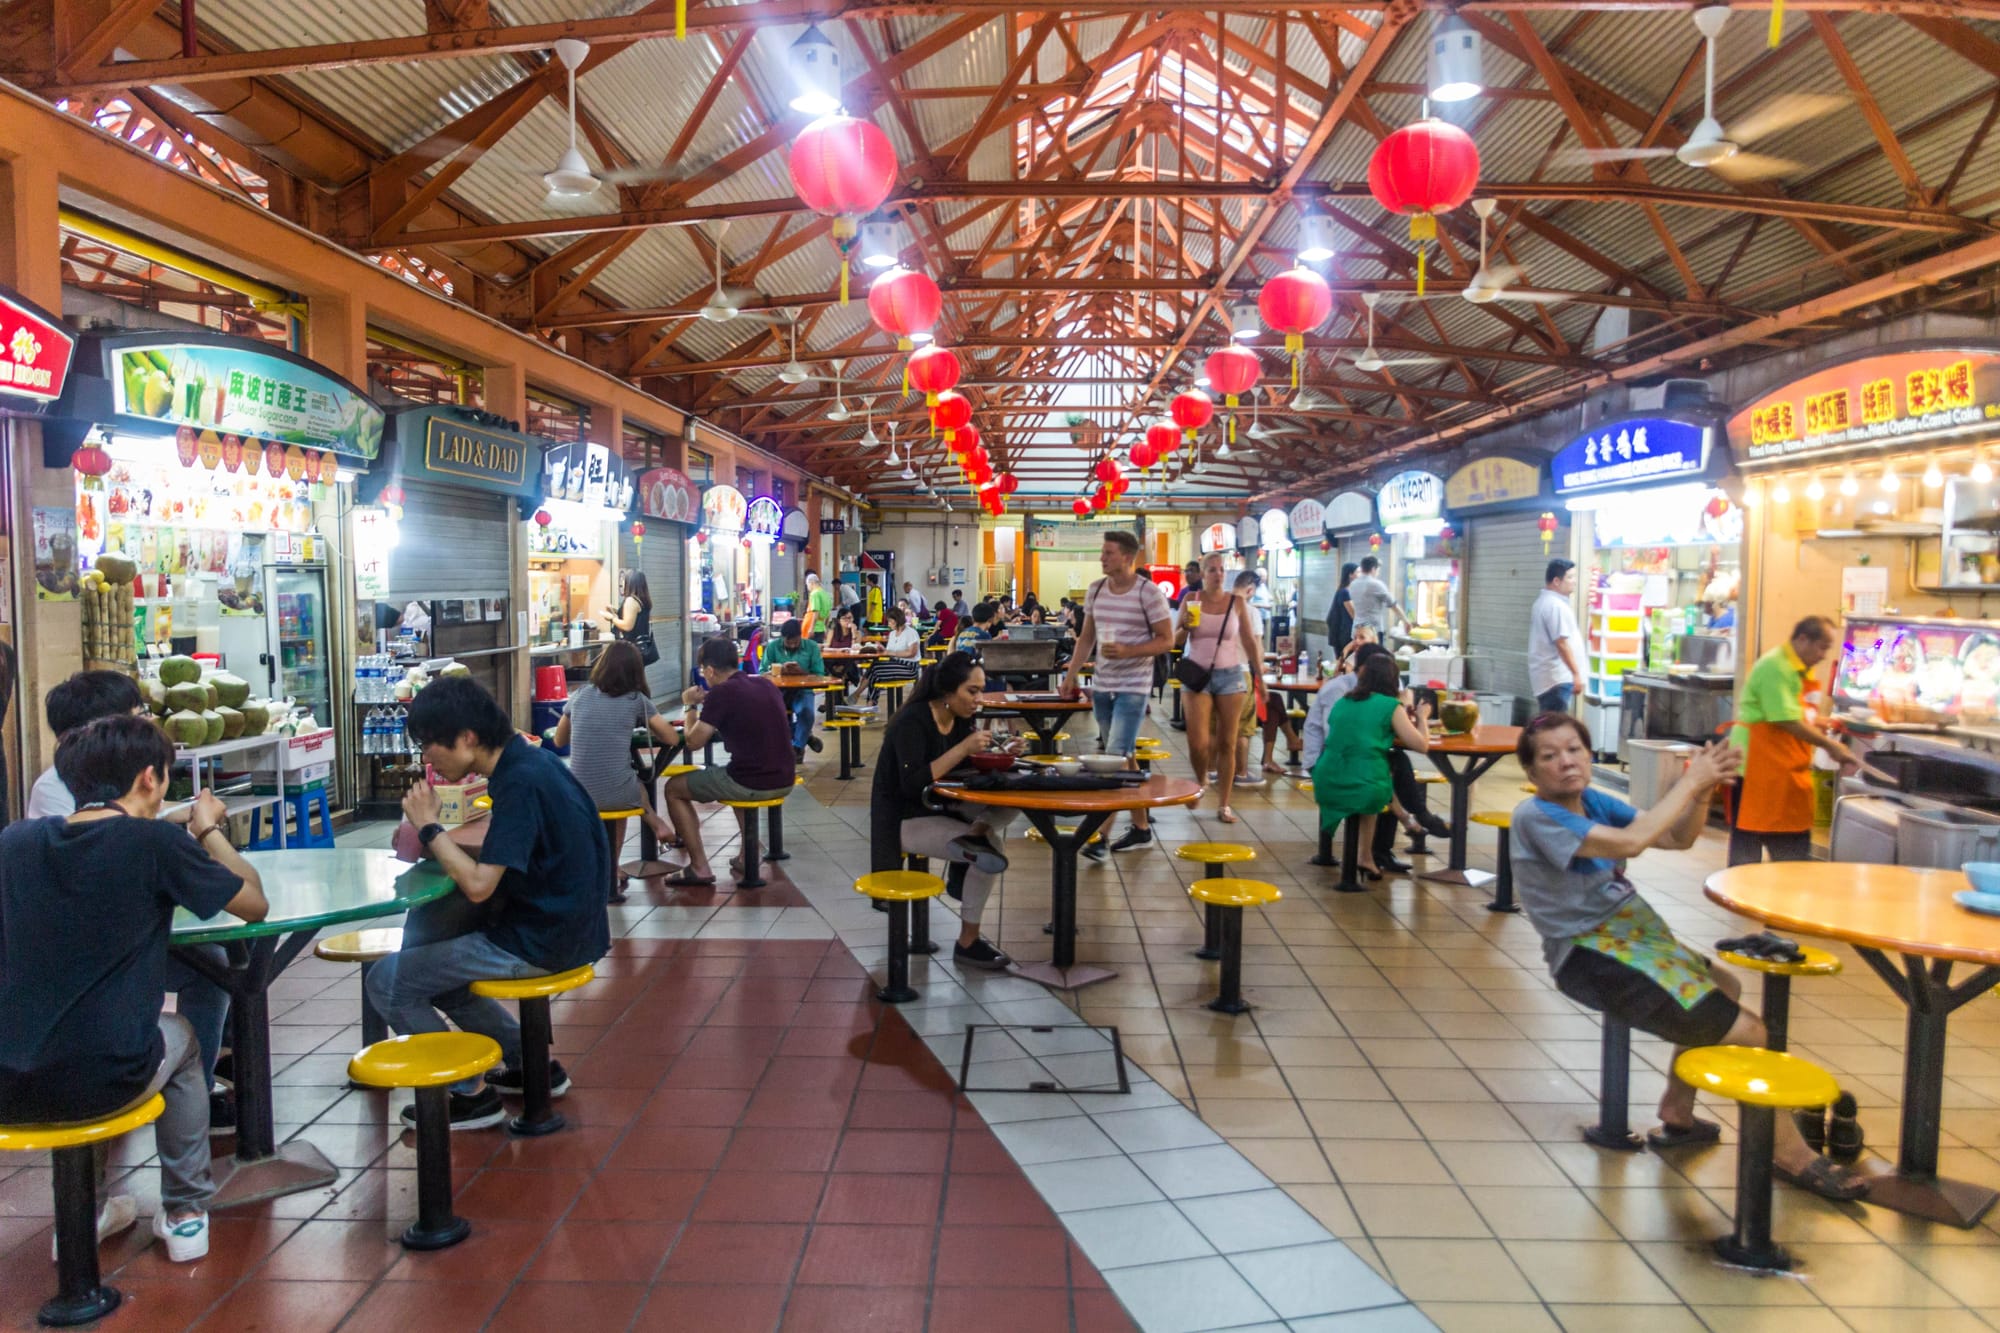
(843, 168)
(1163, 439)
(1192, 409)
(1143, 456)
(1423, 170)
(1295, 303)
(1232, 372)
(91, 461)
(1009, 483)
(949, 412)
(931, 370)
(903, 302)
(1081, 508)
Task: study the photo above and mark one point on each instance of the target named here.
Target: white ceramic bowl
(1069, 768)
(1103, 763)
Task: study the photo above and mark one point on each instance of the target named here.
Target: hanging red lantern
(904, 302)
(1423, 170)
(1106, 469)
(1232, 371)
(965, 443)
(1374, 542)
(1192, 409)
(843, 168)
(1079, 507)
(931, 371)
(1164, 439)
(1546, 525)
(1295, 303)
(1324, 546)
(1143, 456)
(1009, 483)
(638, 536)
(543, 518)
(949, 412)
(701, 537)
(980, 470)
(1100, 499)
(91, 461)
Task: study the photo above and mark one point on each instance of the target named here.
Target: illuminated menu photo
(1892, 398)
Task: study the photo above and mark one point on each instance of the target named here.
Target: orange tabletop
(848, 654)
(1296, 684)
(1150, 794)
(1480, 740)
(1896, 908)
(1000, 703)
(801, 681)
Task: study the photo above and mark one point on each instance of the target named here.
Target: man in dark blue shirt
(540, 879)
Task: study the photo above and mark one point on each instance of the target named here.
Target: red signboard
(1882, 401)
(667, 493)
(34, 352)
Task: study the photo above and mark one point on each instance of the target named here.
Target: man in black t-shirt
(86, 909)
(540, 876)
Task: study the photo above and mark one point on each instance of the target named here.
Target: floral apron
(1636, 936)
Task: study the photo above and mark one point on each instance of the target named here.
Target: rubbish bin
(1866, 829)
(1652, 768)
(1944, 839)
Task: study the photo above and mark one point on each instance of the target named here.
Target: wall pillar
(506, 395)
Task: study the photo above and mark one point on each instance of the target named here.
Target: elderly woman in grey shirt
(1609, 950)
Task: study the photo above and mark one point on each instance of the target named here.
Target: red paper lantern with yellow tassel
(949, 413)
(1232, 372)
(843, 169)
(1295, 303)
(931, 371)
(1420, 171)
(1192, 409)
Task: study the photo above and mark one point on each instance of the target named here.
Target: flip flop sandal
(1684, 1136)
(688, 880)
(1826, 1180)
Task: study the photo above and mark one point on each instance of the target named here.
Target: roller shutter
(453, 544)
(1504, 562)
(662, 558)
(1319, 579)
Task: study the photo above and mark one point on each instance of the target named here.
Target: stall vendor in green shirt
(794, 649)
(819, 608)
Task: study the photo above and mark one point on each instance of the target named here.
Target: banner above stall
(588, 475)
(1350, 511)
(669, 494)
(35, 352)
(1307, 521)
(722, 509)
(453, 446)
(1636, 451)
(763, 517)
(1218, 537)
(1872, 402)
(231, 386)
(1494, 482)
(1410, 501)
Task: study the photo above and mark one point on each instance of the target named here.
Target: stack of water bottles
(385, 731)
(375, 677)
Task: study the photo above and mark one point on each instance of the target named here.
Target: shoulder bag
(1193, 675)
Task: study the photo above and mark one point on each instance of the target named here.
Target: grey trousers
(181, 1133)
(931, 836)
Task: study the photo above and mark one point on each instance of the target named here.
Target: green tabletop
(309, 889)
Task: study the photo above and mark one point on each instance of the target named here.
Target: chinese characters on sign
(1490, 481)
(1620, 453)
(1898, 397)
(34, 352)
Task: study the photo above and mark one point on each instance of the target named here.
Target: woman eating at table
(931, 736)
(1609, 950)
(597, 726)
(846, 637)
(1226, 659)
(899, 662)
(1351, 778)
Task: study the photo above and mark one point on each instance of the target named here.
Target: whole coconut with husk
(211, 725)
(230, 690)
(187, 727)
(232, 722)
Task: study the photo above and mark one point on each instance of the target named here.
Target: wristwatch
(426, 833)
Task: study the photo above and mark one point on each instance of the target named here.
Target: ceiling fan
(1370, 360)
(840, 411)
(1259, 431)
(792, 372)
(725, 303)
(572, 178)
(1711, 148)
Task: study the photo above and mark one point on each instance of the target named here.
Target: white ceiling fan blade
(1755, 167)
(1535, 298)
(1502, 275)
(1412, 360)
(1585, 156)
(1782, 112)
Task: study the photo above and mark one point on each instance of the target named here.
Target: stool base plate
(1075, 977)
(296, 1166)
(1597, 1136)
(896, 994)
(1957, 1203)
(648, 869)
(61, 1313)
(1323, 861)
(1471, 879)
(416, 1238)
(1222, 1006)
(927, 947)
(1497, 906)
(1208, 954)
(1772, 1260)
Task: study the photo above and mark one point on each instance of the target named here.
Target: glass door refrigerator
(301, 655)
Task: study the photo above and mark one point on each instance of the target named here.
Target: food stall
(1312, 550)
(572, 546)
(1496, 502)
(1659, 543)
(1346, 521)
(763, 525)
(434, 533)
(1278, 562)
(717, 564)
(1421, 567)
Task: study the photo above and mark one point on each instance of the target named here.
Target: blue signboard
(1635, 451)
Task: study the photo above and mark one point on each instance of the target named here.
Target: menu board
(1922, 671)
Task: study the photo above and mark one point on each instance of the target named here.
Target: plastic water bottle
(399, 726)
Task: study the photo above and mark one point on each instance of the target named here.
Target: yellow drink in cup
(1194, 615)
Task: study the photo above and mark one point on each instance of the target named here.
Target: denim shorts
(1118, 718)
(1227, 680)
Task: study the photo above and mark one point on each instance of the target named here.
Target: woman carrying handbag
(1220, 668)
(632, 619)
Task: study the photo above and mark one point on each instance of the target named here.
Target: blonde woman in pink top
(1217, 625)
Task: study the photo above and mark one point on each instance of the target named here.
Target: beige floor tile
(1866, 1320)
(1404, 1211)
(1314, 1052)
(1130, 1022)
(1485, 1122)
(1288, 1161)
(1473, 1270)
(1329, 1206)
(1770, 1319)
(1691, 1270)
(1337, 1083)
(1524, 1213)
(1456, 1317)
(1407, 1053)
(1627, 1319)
(1152, 1052)
(1437, 1085)
(1590, 1166)
(1499, 1164)
(1300, 1023)
(1576, 1271)
(1969, 1273)
(1255, 1117)
(1485, 1026)
(1842, 1275)
(1515, 1053)
(1384, 1162)
(1359, 1120)
(1212, 1081)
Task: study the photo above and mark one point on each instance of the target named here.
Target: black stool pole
(1211, 921)
(1503, 883)
(920, 910)
(898, 990)
(1230, 1001)
(80, 1297)
(1613, 1129)
(752, 877)
(1750, 1244)
(1350, 857)
(777, 852)
(374, 1027)
(537, 1116)
(1777, 1010)
(436, 1226)
(1324, 856)
(846, 769)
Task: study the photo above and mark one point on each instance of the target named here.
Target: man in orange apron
(1774, 806)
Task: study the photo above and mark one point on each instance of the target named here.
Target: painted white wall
(924, 543)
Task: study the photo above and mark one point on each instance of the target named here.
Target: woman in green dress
(1351, 778)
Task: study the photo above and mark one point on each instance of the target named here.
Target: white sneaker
(119, 1212)
(185, 1241)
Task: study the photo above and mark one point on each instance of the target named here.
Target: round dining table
(309, 890)
(1464, 759)
(1092, 809)
(1045, 713)
(1908, 912)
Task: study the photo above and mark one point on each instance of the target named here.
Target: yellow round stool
(429, 1062)
(899, 889)
(1215, 858)
(1224, 901)
(366, 947)
(616, 891)
(80, 1296)
(1762, 1083)
(1503, 882)
(539, 1086)
(1777, 1010)
(753, 855)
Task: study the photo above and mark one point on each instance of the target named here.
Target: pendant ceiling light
(1315, 237)
(1243, 321)
(815, 66)
(1455, 73)
(878, 243)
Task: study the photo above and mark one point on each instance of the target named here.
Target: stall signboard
(763, 517)
(1632, 451)
(1049, 535)
(1307, 521)
(234, 387)
(722, 509)
(35, 351)
(1494, 480)
(1891, 398)
(1218, 537)
(668, 493)
(1349, 511)
(459, 449)
(1411, 498)
(589, 475)
(1274, 530)
(794, 528)
(1249, 534)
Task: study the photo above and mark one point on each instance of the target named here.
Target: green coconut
(212, 725)
(232, 690)
(232, 722)
(214, 694)
(179, 670)
(256, 717)
(187, 728)
(117, 567)
(155, 695)
(187, 697)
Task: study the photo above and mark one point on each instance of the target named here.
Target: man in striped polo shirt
(1127, 623)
